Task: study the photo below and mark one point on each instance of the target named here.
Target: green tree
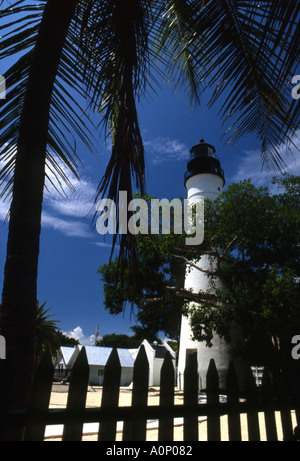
(262, 285)
(253, 235)
(243, 51)
(259, 267)
(150, 293)
(64, 340)
(27, 140)
(119, 340)
(48, 336)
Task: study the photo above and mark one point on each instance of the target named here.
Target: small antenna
(96, 335)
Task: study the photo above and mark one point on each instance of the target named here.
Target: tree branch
(183, 293)
(190, 263)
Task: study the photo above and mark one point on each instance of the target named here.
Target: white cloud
(77, 333)
(164, 149)
(72, 228)
(4, 208)
(78, 203)
(250, 165)
(105, 245)
(71, 214)
(68, 227)
(60, 200)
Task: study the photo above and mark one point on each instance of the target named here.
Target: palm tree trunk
(19, 297)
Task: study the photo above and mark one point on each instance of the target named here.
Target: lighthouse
(204, 179)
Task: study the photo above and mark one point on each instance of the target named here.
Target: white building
(155, 354)
(62, 363)
(97, 358)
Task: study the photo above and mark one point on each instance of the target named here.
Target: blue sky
(71, 252)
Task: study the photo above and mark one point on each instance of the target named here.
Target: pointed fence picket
(77, 398)
(110, 396)
(4, 395)
(234, 421)
(252, 398)
(167, 380)
(213, 418)
(285, 414)
(268, 397)
(253, 402)
(40, 402)
(135, 428)
(190, 428)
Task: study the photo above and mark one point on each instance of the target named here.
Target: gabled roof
(160, 350)
(97, 355)
(67, 353)
(125, 357)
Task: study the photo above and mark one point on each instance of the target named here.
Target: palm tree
(30, 100)
(47, 335)
(245, 51)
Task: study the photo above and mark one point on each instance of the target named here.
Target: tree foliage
(253, 235)
(64, 340)
(117, 53)
(49, 336)
(151, 290)
(258, 266)
(119, 340)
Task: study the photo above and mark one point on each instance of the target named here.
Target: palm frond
(116, 51)
(251, 49)
(244, 52)
(67, 118)
(176, 45)
(46, 330)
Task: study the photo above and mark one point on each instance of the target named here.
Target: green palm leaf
(243, 52)
(67, 118)
(117, 56)
(252, 54)
(176, 47)
(46, 330)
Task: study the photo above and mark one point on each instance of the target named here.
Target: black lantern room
(203, 160)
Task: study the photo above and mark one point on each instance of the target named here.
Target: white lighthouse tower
(204, 179)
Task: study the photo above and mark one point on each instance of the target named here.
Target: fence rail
(253, 402)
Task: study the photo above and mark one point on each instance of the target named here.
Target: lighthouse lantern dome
(203, 160)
